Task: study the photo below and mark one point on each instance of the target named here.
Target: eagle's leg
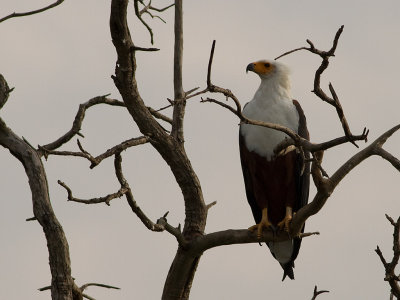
(284, 224)
(265, 223)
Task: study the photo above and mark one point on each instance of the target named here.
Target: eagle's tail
(288, 270)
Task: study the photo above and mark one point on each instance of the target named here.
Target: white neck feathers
(271, 103)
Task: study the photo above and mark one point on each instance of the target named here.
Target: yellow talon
(284, 224)
(263, 224)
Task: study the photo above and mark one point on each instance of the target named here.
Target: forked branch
(317, 293)
(326, 186)
(95, 161)
(390, 272)
(147, 9)
(334, 99)
(77, 124)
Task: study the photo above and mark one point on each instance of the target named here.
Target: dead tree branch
(169, 148)
(59, 259)
(162, 223)
(326, 186)
(85, 286)
(33, 12)
(78, 291)
(77, 124)
(179, 94)
(316, 293)
(106, 199)
(390, 272)
(95, 161)
(62, 284)
(237, 236)
(334, 99)
(147, 9)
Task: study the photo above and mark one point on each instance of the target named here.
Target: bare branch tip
(316, 292)
(211, 205)
(390, 219)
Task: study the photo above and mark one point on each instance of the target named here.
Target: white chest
(263, 140)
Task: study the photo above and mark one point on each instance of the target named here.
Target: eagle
(277, 185)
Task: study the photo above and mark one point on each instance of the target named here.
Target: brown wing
(302, 175)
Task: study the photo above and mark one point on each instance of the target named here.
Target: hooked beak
(250, 67)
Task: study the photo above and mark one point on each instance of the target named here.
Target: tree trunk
(62, 284)
(180, 276)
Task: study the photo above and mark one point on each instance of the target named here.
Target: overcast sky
(63, 57)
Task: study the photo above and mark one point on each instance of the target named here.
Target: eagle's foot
(259, 227)
(265, 223)
(285, 223)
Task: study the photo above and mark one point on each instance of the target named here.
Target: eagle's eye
(267, 65)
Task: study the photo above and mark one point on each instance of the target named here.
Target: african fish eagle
(276, 185)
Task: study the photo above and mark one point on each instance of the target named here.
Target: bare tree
(170, 144)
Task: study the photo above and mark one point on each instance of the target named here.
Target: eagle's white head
(271, 72)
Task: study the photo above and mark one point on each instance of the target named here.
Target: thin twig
(307, 234)
(158, 115)
(106, 199)
(290, 52)
(146, 9)
(139, 16)
(136, 48)
(211, 204)
(316, 293)
(83, 287)
(14, 14)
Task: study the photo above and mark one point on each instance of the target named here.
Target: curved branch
(85, 286)
(77, 124)
(317, 293)
(162, 223)
(325, 187)
(334, 100)
(106, 199)
(33, 12)
(139, 15)
(95, 161)
(62, 286)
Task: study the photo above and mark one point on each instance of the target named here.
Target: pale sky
(63, 57)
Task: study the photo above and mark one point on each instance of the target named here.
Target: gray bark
(62, 284)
